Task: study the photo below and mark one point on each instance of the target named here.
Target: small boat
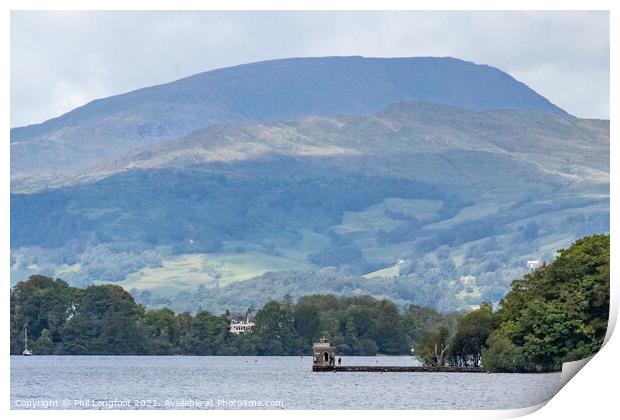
(26, 352)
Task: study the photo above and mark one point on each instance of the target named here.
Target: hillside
(266, 91)
(427, 203)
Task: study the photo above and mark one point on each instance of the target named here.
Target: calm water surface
(161, 382)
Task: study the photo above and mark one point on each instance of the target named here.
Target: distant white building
(238, 327)
(244, 326)
(533, 264)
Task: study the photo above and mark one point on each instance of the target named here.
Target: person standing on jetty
(339, 360)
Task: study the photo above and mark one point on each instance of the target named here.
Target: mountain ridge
(263, 91)
(245, 140)
(223, 69)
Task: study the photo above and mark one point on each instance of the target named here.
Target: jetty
(382, 369)
(324, 360)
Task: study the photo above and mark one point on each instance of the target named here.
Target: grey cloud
(60, 60)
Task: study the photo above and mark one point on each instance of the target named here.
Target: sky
(61, 60)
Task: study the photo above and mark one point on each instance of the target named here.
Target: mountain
(426, 203)
(267, 91)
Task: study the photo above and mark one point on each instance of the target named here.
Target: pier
(382, 369)
(324, 360)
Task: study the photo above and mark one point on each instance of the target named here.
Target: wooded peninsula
(556, 313)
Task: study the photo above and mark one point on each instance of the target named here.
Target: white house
(240, 327)
(533, 265)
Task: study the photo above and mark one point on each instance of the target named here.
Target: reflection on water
(136, 382)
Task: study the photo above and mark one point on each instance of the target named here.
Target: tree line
(556, 313)
(105, 319)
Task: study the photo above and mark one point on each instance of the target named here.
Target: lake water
(161, 382)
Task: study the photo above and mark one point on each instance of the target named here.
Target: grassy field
(239, 261)
(466, 214)
(371, 219)
(392, 271)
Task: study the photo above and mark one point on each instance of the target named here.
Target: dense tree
(473, 330)
(559, 312)
(502, 355)
(391, 336)
(207, 335)
(163, 332)
(307, 324)
(274, 330)
(40, 304)
(360, 325)
(44, 344)
(106, 321)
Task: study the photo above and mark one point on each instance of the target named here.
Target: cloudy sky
(60, 60)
